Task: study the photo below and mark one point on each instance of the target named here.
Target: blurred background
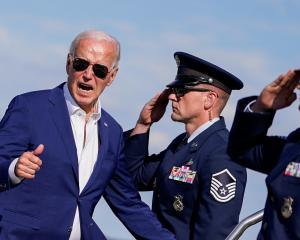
(255, 40)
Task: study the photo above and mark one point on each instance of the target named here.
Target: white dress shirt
(85, 132)
(202, 128)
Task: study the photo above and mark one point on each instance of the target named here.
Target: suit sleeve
(124, 200)
(141, 166)
(249, 144)
(14, 137)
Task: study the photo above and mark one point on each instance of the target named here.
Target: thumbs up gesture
(29, 163)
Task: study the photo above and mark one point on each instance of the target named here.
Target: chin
(176, 118)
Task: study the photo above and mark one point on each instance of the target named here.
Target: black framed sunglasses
(80, 64)
(181, 91)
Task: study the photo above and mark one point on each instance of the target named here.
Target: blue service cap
(193, 71)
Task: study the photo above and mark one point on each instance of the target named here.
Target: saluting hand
(152, 112)
(278, 94)
(29, 163)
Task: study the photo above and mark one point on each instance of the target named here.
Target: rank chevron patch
(223, 186)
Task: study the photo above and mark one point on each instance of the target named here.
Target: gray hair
(97, 35)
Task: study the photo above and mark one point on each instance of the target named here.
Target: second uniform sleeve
(142, 167)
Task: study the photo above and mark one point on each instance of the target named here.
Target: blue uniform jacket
(207, 208)
(279, 157)
(44, 208)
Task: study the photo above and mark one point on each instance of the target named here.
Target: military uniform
(279, 157)
(197, 189)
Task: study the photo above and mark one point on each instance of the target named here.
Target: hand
(29, 163)
(152, 112)
(278, 94)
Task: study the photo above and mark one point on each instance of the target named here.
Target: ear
(68, 63)
(210, 99)
(112, 76)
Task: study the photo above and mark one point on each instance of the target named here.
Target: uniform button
(158, 196)
(69, 229)
(272, 198)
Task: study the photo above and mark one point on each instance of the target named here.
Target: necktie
(183, 142)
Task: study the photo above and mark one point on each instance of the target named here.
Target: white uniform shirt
(202, 128)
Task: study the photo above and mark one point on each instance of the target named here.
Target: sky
(255, 40)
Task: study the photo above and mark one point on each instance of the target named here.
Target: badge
(223, 186)
(178, 204)
(182, 174)
(286, 209)
(293, 169)
(194, 147)
(190, 162)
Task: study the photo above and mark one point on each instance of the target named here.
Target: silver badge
(286, 209)
(178, 204)
(223, 186)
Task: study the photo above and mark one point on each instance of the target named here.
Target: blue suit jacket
(249, 145)
(44, 208)
(203, 216)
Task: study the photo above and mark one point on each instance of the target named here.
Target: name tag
(183, 174)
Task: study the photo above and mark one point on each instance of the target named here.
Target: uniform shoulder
(218, 157)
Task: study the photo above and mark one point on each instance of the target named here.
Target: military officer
(279, 157)
(198, 190)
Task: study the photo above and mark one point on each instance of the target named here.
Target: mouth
(174, 108)
(85, 87)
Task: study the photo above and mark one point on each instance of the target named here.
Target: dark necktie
(183, 142)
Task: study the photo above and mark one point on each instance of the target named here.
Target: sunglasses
(181, 91)
(80, 64)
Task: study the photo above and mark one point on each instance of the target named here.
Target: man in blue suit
(60, 152)
(198, 190)
(276, 156)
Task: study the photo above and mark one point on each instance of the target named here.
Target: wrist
(140, 128)
(258, 107)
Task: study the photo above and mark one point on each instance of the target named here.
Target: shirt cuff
(11, 172)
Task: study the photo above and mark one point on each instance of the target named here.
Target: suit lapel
(187, 153)
(193, 147)
(59, 113)
(103, 136)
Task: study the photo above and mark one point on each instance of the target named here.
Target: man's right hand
(29, 163)
(278, 94)
(152, 112)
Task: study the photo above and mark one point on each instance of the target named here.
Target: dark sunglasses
(181, 91)
(99, 70)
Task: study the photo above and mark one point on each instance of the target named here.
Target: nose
(87, 74)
